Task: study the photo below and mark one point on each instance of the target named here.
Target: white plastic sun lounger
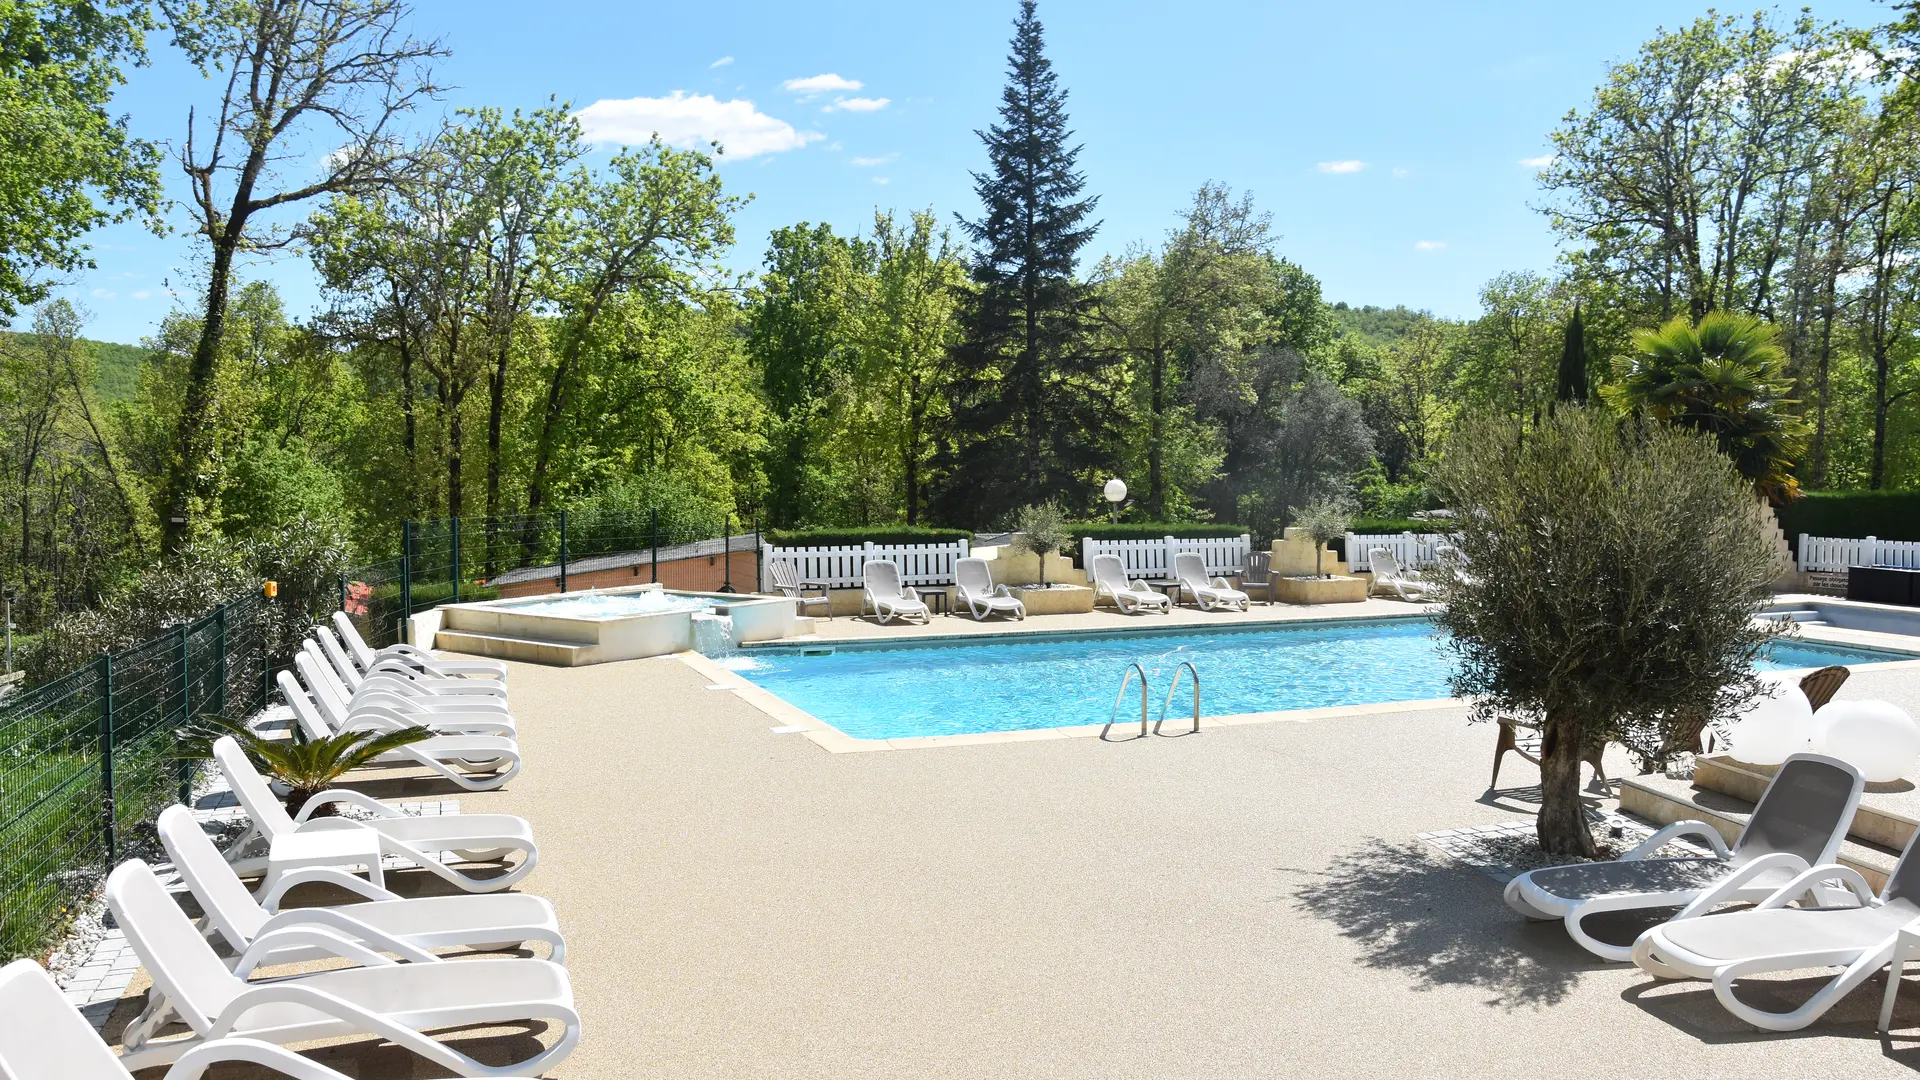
(1849, 928)
(474, 762)
(393, 1001)
(400, 679)
(375, 708)
(386, 922)
(1389, 578)
(474, 837)
(45, 1038)
(1191, 571)
(1799, 822)
(974, 587)
(885, 596)
(412, 656)
(1110, 577)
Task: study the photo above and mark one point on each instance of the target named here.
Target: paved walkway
(1252, 901)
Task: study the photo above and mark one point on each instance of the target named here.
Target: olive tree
(1609, 574)
(1040, 531)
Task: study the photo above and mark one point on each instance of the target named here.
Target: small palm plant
(306, 765)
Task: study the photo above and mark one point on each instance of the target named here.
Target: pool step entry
(1127, 680)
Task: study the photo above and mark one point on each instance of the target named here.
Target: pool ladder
(1127, 680)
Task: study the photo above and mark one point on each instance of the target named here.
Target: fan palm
(1726, 377)
(308, 766)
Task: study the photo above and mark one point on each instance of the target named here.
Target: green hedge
(1395, 525)
(1889, 515)
(890, 534)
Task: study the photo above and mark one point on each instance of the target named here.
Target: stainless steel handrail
(1121, 696)
(1188, 666)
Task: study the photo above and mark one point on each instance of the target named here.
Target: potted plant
(1323, 520)
(307, 766)
(1040, 531)
(1313, 525)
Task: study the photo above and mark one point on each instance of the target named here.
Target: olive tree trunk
(1563, 818)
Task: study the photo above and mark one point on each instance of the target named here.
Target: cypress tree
(1033, 409)
(1573, 361)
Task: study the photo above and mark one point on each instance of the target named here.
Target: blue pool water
(1010, 683)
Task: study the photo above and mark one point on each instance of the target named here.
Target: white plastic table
(324, 847)
(1906, 946)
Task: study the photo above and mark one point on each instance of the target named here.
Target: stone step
(1663, 801)
(1889, 813)
(525, 650)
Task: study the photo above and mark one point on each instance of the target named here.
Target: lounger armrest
(428, 690)
(311, 936)
(1679, 828)
(344, 924)
(339, 1008)
(194, 1063)
(342, 795)
(331, 875)
(1810, 879)
(1741, 880)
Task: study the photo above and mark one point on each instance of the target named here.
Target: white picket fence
(1830, 553)
(1224, 555)
(845, 567)
(1410, 550)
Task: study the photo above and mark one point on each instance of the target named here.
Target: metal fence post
(406, 573)
(759, 558)
(183, 766)
(563, 551)
(654, 527)
(220, 660)
(726, 552)
(456, 558)
(106, 759)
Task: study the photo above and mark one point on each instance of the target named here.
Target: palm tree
(1726, 377)
(306, 765)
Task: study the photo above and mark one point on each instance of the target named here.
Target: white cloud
(142, 294)
(1399, 172)
(835, 145)
(1341, 166)
(103, 294)
(1544, 161)
(869, 162)
(722, 62)
(684, 119)
(820, 84)
(883, 179)
(857, 104)
(1429, 245)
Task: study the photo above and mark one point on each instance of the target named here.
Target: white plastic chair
(412, 655)
(974, 587)
(885, 596)
(1858, 934)
(45, 1038)
(398, 678)
(474, 837)
(397, 1002)
(386, 922)
(1191, 571)
(1388, 577)
(473, 762)
(1799, 822)
(801, 591)
(375, 708)
(1110, 577)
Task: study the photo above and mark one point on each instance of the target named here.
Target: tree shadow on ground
(1413, 910)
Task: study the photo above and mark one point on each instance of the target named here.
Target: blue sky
(1387, 139)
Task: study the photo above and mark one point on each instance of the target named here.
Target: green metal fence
(89, 759)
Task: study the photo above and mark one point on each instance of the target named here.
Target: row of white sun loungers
(399, 989)
(1804, 910)
(974, 587)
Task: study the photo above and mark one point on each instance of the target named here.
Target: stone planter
(1315, 590)
(1055, 600)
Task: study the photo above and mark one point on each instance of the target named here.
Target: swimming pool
(1015, 682)
(598, 605)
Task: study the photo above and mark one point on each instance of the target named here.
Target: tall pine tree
(1573, 361)
(1034, 409)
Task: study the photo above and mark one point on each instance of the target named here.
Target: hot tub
(602, 625)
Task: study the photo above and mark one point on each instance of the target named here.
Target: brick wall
(701, 574)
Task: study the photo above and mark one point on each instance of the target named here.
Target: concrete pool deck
(1251, 901)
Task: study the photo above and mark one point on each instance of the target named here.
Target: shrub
(1889, 515)
(854, 537)
(1612, 573)
(1322, 520)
